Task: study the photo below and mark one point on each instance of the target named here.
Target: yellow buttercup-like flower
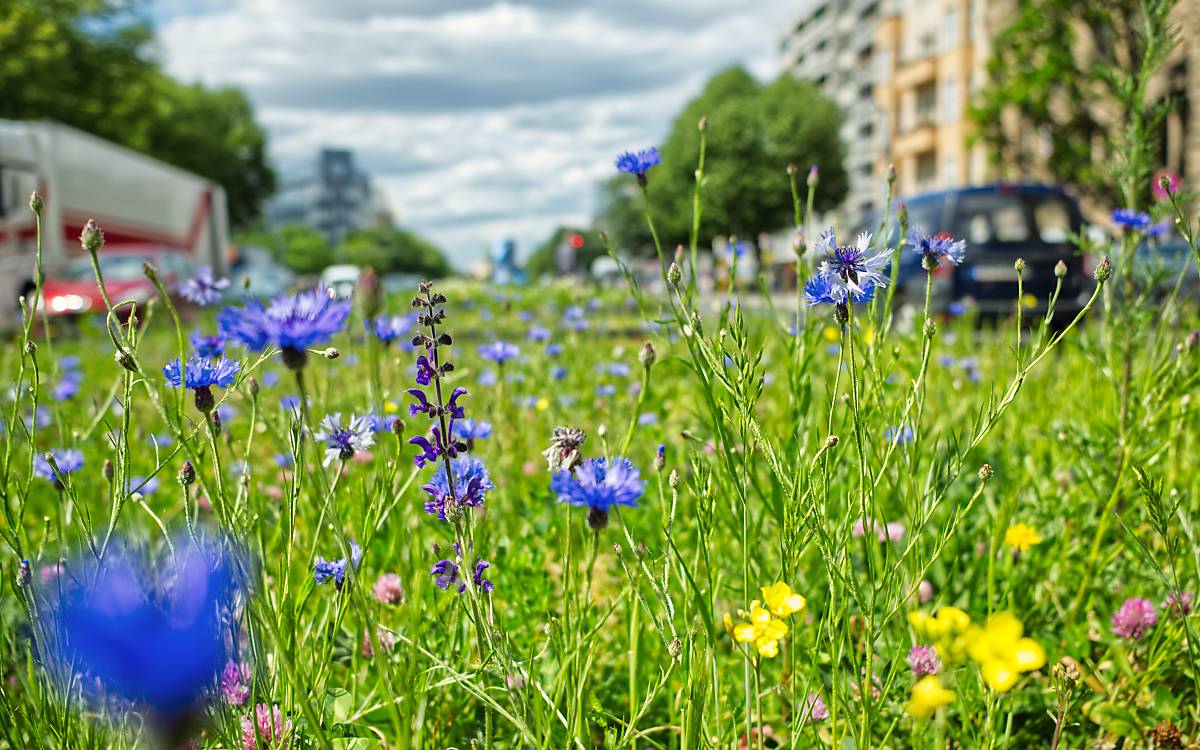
(831, 334)
(1021, 537)
(542, 404)
(947, 629)
(928, 695)
(781, 600)
(763, 630)
(1001, 651)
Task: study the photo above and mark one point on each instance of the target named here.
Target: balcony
(917, 139)
(910, 75)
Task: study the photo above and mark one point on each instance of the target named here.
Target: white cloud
(494, 119)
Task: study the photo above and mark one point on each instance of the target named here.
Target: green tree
(389, 249)
(300, 248)
(1058, 97)
(543, 261)
(89, 64)
(754, 132)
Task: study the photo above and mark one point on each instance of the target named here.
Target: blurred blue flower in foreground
(209, 347)
(203, 289)
(153, 634)
(292, 322)
(638, 163)
(388, 328)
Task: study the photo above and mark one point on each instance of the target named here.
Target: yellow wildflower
(831, 334)
(763, 630)
(1021, 537)
(391, 407)
(542, 404)
(1002, 653)
(947, 629)
(1029, 301)
(928, 695)
(782, 600)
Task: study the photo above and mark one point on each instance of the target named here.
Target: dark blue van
(1000, 223)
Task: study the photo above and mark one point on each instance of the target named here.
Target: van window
(1053, 221)
(992, 217)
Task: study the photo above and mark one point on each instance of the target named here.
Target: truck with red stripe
(148, 210)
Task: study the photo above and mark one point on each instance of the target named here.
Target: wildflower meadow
(573, 517)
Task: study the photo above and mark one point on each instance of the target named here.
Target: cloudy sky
(479, 119)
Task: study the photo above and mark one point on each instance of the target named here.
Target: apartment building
(832, 43)
(332, 195)
(932, 56)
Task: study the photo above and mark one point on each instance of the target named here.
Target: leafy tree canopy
(89, 64)
(754, 131)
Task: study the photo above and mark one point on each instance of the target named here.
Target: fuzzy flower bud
(891, 174)
(92, 237)
(187, 473)
(1019, 265)
(674, 274)
(36, 203)
(331, 353)
(831, 441)
(647, 356)
(1060, 269)
(792, 169)
(985, 472)
(930, 328)
(673, 479)
(902, 214)
(703, 125)
(252, 384)
(814, 176)
(1103, 270)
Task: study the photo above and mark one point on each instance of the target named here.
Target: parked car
(74, 291)
(1000, 223)
(341, 279)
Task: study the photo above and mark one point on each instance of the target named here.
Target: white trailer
(137, 200)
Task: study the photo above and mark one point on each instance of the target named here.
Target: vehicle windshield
(113, 267)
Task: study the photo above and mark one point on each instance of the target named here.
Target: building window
(950, 171)
(950, 34)
(925, 104)
(926, 169)
(951, 105)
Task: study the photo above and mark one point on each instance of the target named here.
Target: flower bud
(891, 174)
(674, 274)
(92, 237)
(792, 169)
(703, 125)
(902, 214)
(1103, 270)
(125, 359)
(675, 648)
(1019, 265)
(106, 470)
(368, 292)
(930, 328)
(331, 353)
(187, 473)
(149, 271)
(660, 457)
(831, 441)
(647, 356)
(985, 472)
(673, 479)
(814, 176)
(36, 203)
(24, 574)
(1060, 269)
(252, 384)
(398, 427)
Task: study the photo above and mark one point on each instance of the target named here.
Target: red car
(74, 291)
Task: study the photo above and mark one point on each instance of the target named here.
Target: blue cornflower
(936, 248)
(388, 328)
(647, 418)
(855, 267)
(499, 352)
(604, 391)
(825, 289)
(209, 347)
(381, 424)
(956, 308)
(537, 333)
(68, 362)
(335, 570)
(1159, 229)
(161, 440)
(285, 460)
(68, 461)
(638, 163)
(144, 485)
(619, 370)
(68, 387)
(598, 484)
(292, 322)
(203, 289)
(946, 360)
(898, 435)
(470, 430)
(471, 484)
(201, 373)
(558, 372)
(159, 646)
(446, 573)
(343, 442)
(553, 350)
(290, 404)
(1130, 219)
